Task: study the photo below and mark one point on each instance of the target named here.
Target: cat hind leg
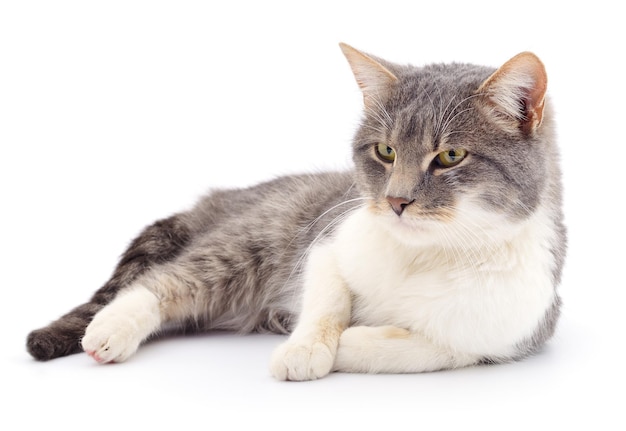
(168, 294)
(158, 243)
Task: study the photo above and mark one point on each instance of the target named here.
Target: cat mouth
(412, 215)
(413, 223)
(408, 222)
(414, 226)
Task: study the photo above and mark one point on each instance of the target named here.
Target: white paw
(111, 338)
(116, 332)
(302, 361)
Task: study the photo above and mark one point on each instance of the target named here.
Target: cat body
(443, 248)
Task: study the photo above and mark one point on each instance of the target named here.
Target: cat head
(453, 147)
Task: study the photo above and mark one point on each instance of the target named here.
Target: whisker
(460, 257)
(451, 114)
(461, 243)
(302, 259)
(378, 130)
(380, 114)
(471, 229)
(312, 223)
(322, 233)
(443, 113)
(448, 122)
(450, 133)
(385, 113)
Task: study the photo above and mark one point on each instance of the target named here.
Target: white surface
(116, 114)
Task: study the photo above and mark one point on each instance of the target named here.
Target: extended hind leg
(119, 328)
(158, 243)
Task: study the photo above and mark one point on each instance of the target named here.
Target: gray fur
(239, 252)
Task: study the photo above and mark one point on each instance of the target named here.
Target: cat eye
(449, 158)
(385, 153)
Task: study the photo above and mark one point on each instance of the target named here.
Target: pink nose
(398, 204)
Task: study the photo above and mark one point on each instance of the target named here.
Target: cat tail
(158, 243)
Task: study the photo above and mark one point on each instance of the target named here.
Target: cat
(442, 248)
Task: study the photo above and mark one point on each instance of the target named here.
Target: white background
(114, 114)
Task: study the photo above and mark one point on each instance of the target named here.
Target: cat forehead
(426, 101)
(438, 83)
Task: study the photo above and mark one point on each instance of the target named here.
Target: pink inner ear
(517, 90)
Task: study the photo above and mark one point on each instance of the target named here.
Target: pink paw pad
(95, 356)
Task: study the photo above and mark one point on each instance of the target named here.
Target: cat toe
(110, 341)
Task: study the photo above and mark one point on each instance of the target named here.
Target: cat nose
(398, 204)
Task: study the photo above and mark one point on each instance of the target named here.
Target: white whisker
(443, 113)
(322, 233)
(381, 115)
(452, 115)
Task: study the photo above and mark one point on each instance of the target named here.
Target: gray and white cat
(441, 249)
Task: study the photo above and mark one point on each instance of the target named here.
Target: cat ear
(373, 78)
(516, 92)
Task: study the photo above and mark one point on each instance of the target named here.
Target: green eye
(449, 158)
(386, 153)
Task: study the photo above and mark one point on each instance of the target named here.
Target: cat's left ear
(374, 79)
(516, 92)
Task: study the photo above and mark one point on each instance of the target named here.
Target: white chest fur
(475, 301)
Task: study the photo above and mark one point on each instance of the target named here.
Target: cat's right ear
(374, 79)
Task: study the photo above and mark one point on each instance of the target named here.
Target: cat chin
(477, 229)
(411, 230)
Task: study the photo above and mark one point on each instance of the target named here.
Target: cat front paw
(299, 361)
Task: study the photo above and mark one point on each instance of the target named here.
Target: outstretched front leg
(389, 349)
(310, 351)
